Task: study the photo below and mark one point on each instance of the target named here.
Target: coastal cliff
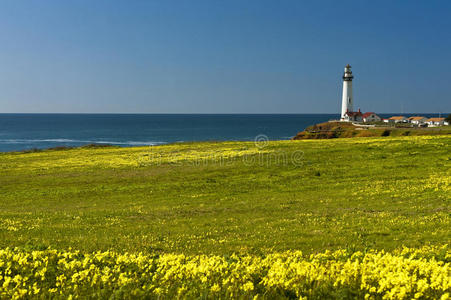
(331, 130)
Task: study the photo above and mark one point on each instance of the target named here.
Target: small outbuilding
(417, 120)
(397, 119)
(353, 116)
(371, 117)
(436, 121)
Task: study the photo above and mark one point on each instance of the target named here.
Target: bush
(405, 133)
(32, 150)
(90, 146)
(386, 132)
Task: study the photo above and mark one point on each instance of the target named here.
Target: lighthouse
(347, 100)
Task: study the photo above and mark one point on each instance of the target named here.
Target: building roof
(397, 118)
(436, 119)
(416, 118)
(367, 114)
(353, 113)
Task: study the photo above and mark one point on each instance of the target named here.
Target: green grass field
(220, 198)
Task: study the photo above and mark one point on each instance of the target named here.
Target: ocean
(28, 131)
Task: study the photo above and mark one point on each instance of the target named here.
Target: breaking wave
(74, 141)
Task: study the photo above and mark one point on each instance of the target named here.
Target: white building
(417, 120)
(353, 116)
(436, 121)
(347, 101)
(397, 119)
(371, 117)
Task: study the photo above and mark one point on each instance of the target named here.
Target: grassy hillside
(219, 198)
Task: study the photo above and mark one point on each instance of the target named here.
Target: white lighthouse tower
(347, 100)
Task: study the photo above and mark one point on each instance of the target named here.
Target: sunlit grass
(220, 198)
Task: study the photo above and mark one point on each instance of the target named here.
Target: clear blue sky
(223, 56)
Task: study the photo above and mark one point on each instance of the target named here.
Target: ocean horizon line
(191, 114)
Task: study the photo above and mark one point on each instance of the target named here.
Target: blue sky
(223, 56)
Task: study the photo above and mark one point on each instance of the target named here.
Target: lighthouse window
(349, 100)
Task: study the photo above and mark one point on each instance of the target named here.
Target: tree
(448, 118)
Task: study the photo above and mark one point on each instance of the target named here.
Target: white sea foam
(37, 141)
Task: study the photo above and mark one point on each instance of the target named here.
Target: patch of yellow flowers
(402, 274)
(188, 154)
